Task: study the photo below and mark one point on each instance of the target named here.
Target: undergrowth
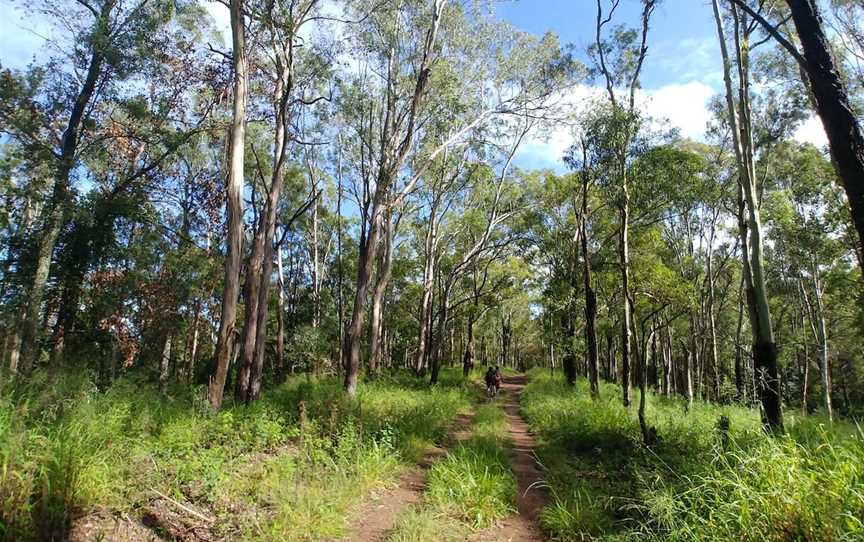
(696, 483)
(265, 471)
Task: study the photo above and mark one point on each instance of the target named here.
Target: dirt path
(377, 518)
(530, 500)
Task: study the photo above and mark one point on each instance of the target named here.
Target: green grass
(808, 485)
(470, 489)
(427, 525)
(67, 448)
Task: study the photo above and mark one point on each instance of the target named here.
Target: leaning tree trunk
(764, 347)
(234, 206)
(250, 312)
(832, 103)
(55, 213)
(365, 266)
(280, 316)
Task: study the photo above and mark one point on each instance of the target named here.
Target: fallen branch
(183, 507)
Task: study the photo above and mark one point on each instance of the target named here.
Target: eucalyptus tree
(803, 220)
(443, 74)
(56, 111)
(579, 158)
(446, 184)
(620, 62)
(292, 74)
(829, 94)
(739, 114)
(483, 235)
(233, 205)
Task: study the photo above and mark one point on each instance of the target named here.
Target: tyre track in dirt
(531, 496)
(376, 519)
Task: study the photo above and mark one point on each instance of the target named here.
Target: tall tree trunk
(590, 296)
(823, 343)
(250, 312)
(688, 379)
(316, 274)
(832, 103)
(764, 347)
(340, 294)
(624, 260)
(739, 368)
(385, 270)
(234, 205)
(712, 325)
(568, 360)
(263, 306)
(468, 358)
(424, 332)
(193, 343)
(442, 322)
(61, 196)
(280, 316)
(165, 363)
(365, 266)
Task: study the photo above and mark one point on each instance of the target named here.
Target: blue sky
(682, 71)
(682, 43)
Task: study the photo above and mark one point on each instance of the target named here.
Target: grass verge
(695, 484)
(264, 472)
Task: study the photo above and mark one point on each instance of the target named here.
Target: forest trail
(376, 519)
(530, 497)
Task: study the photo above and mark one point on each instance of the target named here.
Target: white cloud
(811, 131)
(682, 106)
(221, 19)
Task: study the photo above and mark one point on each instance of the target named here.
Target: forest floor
(406, 462)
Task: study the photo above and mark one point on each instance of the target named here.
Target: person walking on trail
(496, 379)
(491, 389)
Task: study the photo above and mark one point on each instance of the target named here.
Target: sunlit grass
(66, 447)
(807, 485)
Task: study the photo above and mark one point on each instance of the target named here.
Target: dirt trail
(377, 518)
(531, 499)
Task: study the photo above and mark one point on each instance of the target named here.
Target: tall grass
(66, 448)
(695, 484)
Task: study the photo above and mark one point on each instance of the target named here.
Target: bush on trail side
(67, 448)
(806, 485)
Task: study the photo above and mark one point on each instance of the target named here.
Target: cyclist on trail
(489, 377)
(496, 379)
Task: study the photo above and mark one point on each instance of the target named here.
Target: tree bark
(764, 348)
(590, 297)
(431, 243)
(385, 270)
(234, 205)
(832, 103)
